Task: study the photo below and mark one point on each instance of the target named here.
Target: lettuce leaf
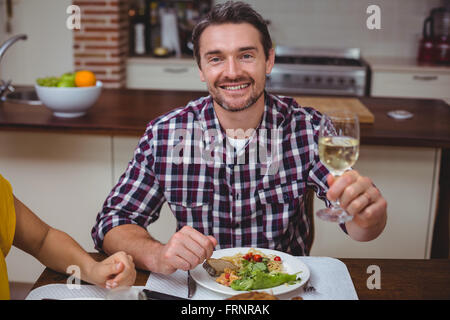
(263, 280)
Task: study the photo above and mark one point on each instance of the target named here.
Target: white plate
(290, 265)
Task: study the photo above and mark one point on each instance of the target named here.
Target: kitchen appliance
(434, 47)
(319, 71)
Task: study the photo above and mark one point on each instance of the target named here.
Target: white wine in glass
(338, 151)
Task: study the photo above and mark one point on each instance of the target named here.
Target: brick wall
(101, 45)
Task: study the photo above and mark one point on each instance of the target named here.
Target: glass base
(337, 214)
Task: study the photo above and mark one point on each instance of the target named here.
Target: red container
(442, 51)
(426, 53)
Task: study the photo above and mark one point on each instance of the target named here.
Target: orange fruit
(85, 78)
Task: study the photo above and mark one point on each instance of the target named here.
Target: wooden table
(400, 279)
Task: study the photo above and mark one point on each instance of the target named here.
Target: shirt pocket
(191, 206)
(280, 206)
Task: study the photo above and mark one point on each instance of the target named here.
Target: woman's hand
(115, 271)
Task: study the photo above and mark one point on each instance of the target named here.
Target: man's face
(233, 65)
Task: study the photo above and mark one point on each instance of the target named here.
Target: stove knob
(307, 79)
(318, 80)
(330, 80)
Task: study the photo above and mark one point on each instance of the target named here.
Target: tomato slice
(257, 258)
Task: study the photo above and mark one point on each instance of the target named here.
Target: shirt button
(286, 197)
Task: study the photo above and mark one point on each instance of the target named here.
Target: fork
(192, 286)
(308, 287)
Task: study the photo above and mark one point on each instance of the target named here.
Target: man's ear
(270, 61)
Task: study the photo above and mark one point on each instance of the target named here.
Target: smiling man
(222, 203)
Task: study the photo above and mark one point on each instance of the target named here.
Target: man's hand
(115, 271)
(185, 250)
(361, 199)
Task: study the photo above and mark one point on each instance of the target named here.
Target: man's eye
(247, 56)
(214, 60)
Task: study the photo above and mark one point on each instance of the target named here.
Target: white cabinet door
(63, 178)
(432, 85)
(123, 148)
(173, 74)
(407, 177)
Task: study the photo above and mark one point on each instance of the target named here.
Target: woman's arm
(57, 250)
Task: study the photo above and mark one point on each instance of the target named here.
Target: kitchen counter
(127, 112)
(400, 64)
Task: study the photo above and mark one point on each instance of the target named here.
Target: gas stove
(319, 71)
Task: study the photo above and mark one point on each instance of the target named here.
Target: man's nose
(232, 68)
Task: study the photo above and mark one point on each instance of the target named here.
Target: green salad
(256, 275)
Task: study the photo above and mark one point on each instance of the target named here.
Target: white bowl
(69, 102)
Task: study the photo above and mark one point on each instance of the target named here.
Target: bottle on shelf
(154, 37)
(140, 29)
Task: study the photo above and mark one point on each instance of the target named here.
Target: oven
(319, 72)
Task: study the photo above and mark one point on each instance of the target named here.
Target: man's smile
(235, 87)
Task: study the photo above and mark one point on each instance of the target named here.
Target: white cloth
(329, 276)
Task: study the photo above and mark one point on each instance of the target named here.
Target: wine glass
(338, 151)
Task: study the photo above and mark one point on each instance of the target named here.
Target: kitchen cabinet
(408, 179)
(63, 178)
(164, 74)
(396, 77)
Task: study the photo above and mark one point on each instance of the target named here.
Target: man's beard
(247, 104)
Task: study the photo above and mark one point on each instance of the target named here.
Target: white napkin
(64, 292)
(329, 276)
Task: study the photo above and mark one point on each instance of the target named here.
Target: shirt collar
(273, 117)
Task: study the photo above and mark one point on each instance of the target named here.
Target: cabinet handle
(176, 70)
(425, 78)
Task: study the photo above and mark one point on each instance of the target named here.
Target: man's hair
(232, 12)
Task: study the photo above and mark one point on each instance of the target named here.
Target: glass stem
(336, 204)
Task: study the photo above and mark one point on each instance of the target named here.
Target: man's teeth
(242, 86)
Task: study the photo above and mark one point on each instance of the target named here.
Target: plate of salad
(236, 270)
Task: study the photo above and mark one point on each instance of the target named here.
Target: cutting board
(324, 104)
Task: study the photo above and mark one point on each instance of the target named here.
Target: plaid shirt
(252, 199)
